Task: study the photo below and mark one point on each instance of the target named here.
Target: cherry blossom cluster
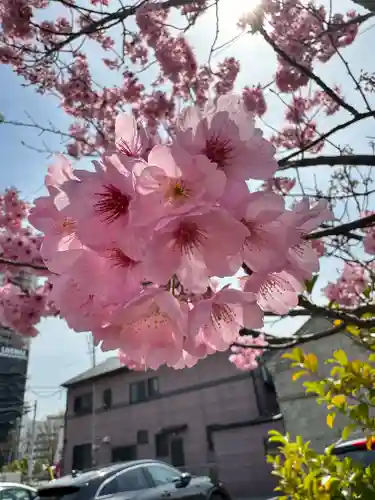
(30, 39)
(17, 242)
(244, 355)
(350, 288)
(311, 41)
(136, 247)
(369, 239)
(21, 308)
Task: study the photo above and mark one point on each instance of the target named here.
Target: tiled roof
(107, 366)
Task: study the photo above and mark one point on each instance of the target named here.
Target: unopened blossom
(225, 132)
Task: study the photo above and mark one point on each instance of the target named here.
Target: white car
(17, 491)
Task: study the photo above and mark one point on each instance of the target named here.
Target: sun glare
(231, 11)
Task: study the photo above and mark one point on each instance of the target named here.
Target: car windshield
(362, 456)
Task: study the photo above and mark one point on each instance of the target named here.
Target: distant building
(13, 374)
(14, 354)
(209, 419)
(47, 435)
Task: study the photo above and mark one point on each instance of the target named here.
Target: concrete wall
(302, 415)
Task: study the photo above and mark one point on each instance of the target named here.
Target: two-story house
(209, 419)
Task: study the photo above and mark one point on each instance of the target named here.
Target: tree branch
(306, 71)
(332, 161)
(285, 343)
(118, 16)
(15, 263)
(323, 137)
(343, 229)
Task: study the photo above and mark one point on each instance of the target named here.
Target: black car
(138, 480)
(357, 450)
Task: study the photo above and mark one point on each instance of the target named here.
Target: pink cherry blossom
(83, 311)
(369, 239)
(220, 316)
(110, 274)
(349, 288)
(131, 137)
(276, 292)
(20, 310)
(225, 132)
(150, 329)
(303, 259)
(246, 358)
(268, 239)
(60, 247)
(178, 181)
(195, 246)
(101, 203)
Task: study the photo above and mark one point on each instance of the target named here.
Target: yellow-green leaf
(331, 419)
(338, 400)
(341, 357)
(311, 362)
(354, 330)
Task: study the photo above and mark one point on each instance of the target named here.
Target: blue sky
(58, 353)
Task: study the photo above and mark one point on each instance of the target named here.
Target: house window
(161, 445)
(144, 390)
(124, 453)
(81, 457)
(142, 437)
(107, 399)
(83, 404)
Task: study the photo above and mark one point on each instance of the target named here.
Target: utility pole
(93, 415)
(30, 461)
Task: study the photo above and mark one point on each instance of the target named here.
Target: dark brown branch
(285, 343)
(306, 71)
(323, 137)
(15, 263)
(349, 318)
(343, 229)
(331, 161)
(114, 18)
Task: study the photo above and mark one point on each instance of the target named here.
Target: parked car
(140, 479)
(17, 491)
(355, 449)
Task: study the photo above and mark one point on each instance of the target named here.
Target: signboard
(13, 352)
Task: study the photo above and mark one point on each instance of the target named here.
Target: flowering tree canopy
(189, 184)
